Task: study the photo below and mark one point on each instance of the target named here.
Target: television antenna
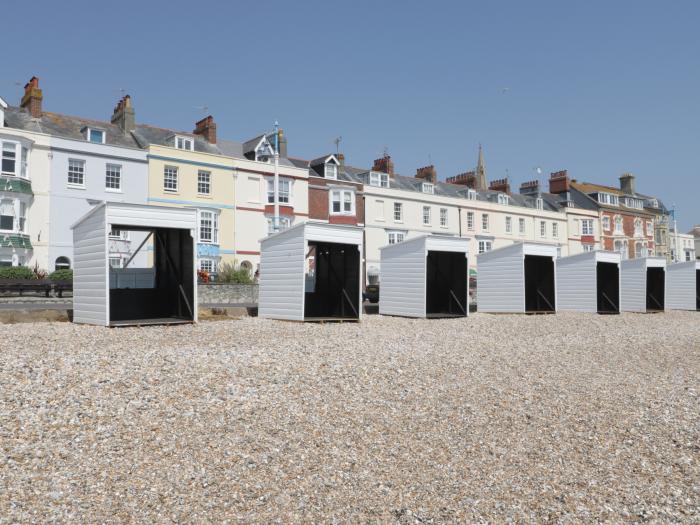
(337, 142)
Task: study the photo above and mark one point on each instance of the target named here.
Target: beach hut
(519, 278)
(424, 276)
(311, 272)
(643, 284)
(162, 293)
(683, 286)
(589, 282)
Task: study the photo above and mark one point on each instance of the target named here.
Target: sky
(598, 88)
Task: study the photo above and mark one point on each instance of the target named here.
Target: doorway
(539, 284)
(446, 284)
(608, 288)
(655, 289)
(332, 282)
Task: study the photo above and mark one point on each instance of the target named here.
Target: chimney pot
(124, 116)
(384, 164)
(468, 179)
(207, 129)
(428, 173)
(502, 185)
(559, 182)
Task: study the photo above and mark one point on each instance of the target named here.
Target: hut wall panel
(90, 262)
(681, 285)
(402, 278)
(500, 283)
(633, 286)
(576, 284)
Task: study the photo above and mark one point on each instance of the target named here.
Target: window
(170, 179)
(631, 202)
(606, 223)
(284, 223)
(9, 158)
(485, 221)
(116, 233)
(62, 263)
(23, 166)
(342, 202)
(398, 212)
(443, 217)
(555, 230)
(378, 179)
(22, 219)
(395, 237)
(113, 177)
(115, 262)
(184, 143)
(208, 265)
(588, 247)
(650, 228)
(379, 213)
(608, 198)
(471, 195)
(484, 246)
(618, 224)
(502, 198)
(428, 188)
(586, 226)
(509, 225)
(203, 182)
(7, 215)
(638, 228)
(208, 227)
(470, 220)
(283, 191)
(638, 249)
(76, 172)
(264, 152)
(426, 216)
(521, 226)
(96, 135)
(539, 203)
(687, 255)
(331, 170)
(543, 229)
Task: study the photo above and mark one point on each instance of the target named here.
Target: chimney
(341, 159)
(502, 185)
(468, 179)
(428, 173)
(627, 183)
(559, 182)
(385, 165)
(282, 140)
(207, 129)
(31, 101)
(123, 115)
(531, 187)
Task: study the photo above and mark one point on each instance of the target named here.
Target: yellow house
(188, 170)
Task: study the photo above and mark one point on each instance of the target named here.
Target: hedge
(16, 272)
(65, 274)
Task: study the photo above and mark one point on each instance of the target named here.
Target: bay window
(7, 215)
(9, 158)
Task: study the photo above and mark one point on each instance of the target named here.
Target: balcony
(11, 184)
(15, 240)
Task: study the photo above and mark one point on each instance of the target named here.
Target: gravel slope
(568, 418)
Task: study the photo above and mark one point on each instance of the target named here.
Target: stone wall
(227, 293)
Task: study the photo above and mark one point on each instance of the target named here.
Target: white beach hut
(311, 272)
(520, 278)
(165, 292)
(683, 286)
(643, 284)
(589, 282)
(425, 276)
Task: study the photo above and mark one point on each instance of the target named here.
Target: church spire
(481, 171)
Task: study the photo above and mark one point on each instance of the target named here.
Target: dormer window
(471, 195)
(608, 198)
(539, 203)
(428, 188)
(96, 136)
(503, 199)
(331, 170)
(186, 143)
(264, 152)
(380, 180)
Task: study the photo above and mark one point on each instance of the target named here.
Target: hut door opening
(655, 289)
(336, 282)
(608, 284)
(539, 284)
(446, 284)
(697, 289)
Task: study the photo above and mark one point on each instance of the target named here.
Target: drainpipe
(235, 219)
(276, 219)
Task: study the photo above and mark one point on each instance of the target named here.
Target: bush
(65, 274)
(229, 274)
(16, 272)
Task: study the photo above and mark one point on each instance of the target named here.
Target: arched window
(62, 263)
(618, 224)
(248, 267)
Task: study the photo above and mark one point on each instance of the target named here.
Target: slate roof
(146, 135)
(66, 126)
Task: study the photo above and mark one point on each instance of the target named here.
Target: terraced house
(56, 167)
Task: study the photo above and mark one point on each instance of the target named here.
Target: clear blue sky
(595, 87)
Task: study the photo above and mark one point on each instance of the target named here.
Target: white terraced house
(55, 168)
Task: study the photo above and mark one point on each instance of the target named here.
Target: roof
(66, 126)
(146, 135)
(3, 104)
(587, 187)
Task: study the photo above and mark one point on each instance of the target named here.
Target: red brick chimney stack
(384, 164)
(207, 129)
(531, 187)
(502, 185)
(428, 173)
(559, 182)
(31, 101)
(468, 179)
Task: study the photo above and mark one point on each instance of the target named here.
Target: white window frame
(201, 183)
(378, 179)
(184, 143)
(343, 196)
(113, 172)
(22, 218)
(427, 216)
(171, 177)
(588, 247)
(443, 217)
(208, 264)
(89, 133)
(485, 222)
(539, 203)
(471, 195)
(619, 222)
(76, 167)
(485, 246)
(13, 208)
(212, 217)
(606, 223)
(509, 224)
(521, 226)
(428, 187)
(395, 236)
(555, 230)
(116, 233)
(16, 158)
(543, 229)
(638, 228)
(284, 223)
(587, 227)
(398, 212)
(284, 196)
(470, 220)
(330, 170)
(650, 228)
(503, 199)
